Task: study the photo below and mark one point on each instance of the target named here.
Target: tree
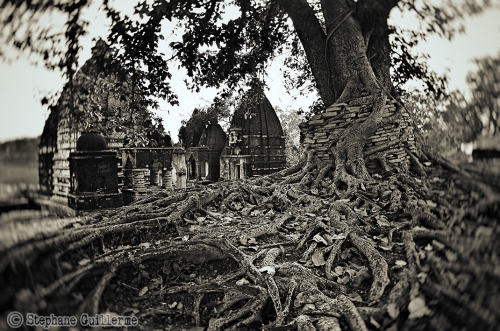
(485, 88)
(443, 123)
(102, 97)
(192, 128)
(290, 121)
(295, 249)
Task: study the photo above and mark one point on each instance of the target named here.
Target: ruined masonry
(317, 132)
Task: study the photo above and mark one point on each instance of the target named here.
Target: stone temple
(256, 144)
(88, 170)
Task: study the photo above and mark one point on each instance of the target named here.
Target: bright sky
(22, 85)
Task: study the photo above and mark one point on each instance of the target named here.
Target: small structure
(94, 174)
(46, 150)
(487, 149)
(256, 143)
(147, 167)
(203, 160)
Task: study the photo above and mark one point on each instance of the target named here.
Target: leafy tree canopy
(485, 88)
(220, 49)
(444, 124)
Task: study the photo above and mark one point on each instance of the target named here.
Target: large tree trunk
(351, 58)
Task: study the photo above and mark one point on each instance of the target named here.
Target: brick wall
(317, 131)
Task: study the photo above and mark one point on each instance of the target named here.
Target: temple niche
(203, 159)
(94, 174)
(256, 144)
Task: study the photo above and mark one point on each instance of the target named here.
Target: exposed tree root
(318, 246)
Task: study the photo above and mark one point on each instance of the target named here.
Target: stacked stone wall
(318, 131)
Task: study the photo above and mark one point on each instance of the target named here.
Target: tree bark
(313, 39)
(351, 58)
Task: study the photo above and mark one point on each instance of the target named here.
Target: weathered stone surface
(317, 130)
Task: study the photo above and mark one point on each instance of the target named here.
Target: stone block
(378, 139)
(313, 122)
(339, 105)
(333, 109)
(327, 116)
(353, 109)
(330, 126)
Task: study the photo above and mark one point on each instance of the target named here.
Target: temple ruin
(91, 170)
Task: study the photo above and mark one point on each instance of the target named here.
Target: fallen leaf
(309, 306)
(355, 297)
(188, 221)
(270, 270)
(382, 220)
(484, 231)
(362, 274)
(386, 246)
(319, 239)
(374, 322)
(66, 265)
(393, 310)
(343, 280)
(451, 256)
(431, 203)
(143, 291)
(386, 193)
(244, 240)
(362, 212)
(242, 282)
(194, 228)
(84, 262)
(317, 258)
(438, 245)
(339, 270)
(145, 245)
(293, 236)
(421, 277)
(298, 299)
(418, 308)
